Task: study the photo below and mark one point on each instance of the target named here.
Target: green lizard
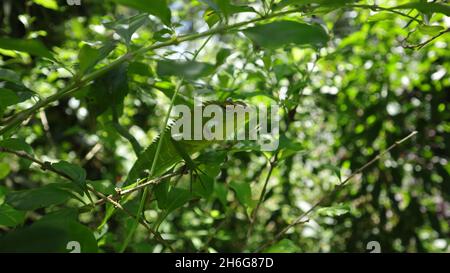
(176, 151)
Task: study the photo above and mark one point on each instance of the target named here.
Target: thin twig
(421, 45)
(378, 8)
(97, 147)
(46, 127)
(272, 164)
(148, 183)
(300, 219)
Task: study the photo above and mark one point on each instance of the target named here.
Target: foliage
(85, 99)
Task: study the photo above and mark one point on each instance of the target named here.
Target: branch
(301, 220)
(272, 164)
(142, 185)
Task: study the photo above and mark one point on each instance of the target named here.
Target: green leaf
(8, 98)
(109, 91)
(426, 7)
(226, 7)
(288, 147)
(243, 192)
(430, 30)
(9, 75)
(221, 193)
(12, 91)
(128, 26)
(33, 47)
(50, 4)
(210, 165)
(327, 3)
(281, 33)
(10, 217)
(187, 69)
(203, 184)
(4, 170)
(18, 145)
(381, 16)
(283, 246)
(49, 236)
(162, 194)
(201, 172)
(70, 214)
(211, 17)
(285, 3)
(32, 199)
(89, 56)
(334, 211)
(176, 198)
(76, 174)
(222, 56)
(21, 91)
(159, 8)
(3, 191)
(139, 68)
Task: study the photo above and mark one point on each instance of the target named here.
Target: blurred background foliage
(342, 105)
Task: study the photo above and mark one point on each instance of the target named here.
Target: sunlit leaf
(128, 26)
(282, 33)
(4, 170)
(158, 8)
(430, 30)
(381, 16)
(334, 211)
(89, 56)
(187, 70)
(226, 7)
(33, 47)
(427, 7)
(50, 4)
